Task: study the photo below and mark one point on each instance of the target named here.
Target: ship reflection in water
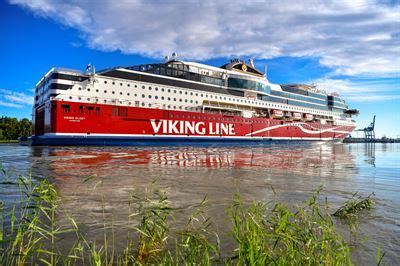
(187, 174)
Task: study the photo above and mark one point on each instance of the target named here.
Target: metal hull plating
(75, 123)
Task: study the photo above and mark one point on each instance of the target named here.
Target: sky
(348, 47)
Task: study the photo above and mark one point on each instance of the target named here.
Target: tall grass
(261, 233)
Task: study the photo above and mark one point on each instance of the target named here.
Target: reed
(263, 233)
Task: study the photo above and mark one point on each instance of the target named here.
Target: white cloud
(366, 90)
(352, 37)
(15, 99)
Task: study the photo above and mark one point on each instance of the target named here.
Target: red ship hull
(76, 123)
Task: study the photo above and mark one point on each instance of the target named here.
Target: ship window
(97, 110)
(156, 97)
(143, 95)
(135, 86)
(113, 83)
(186, 100)
(169, 99)
(191, 93)
(128, 85)
(169, 90)
(90, 109)
(149, 88)
(97, 90)
(156, 88)
(80, 88)
(105, 82)
(105, 91)
(201, 95)
(162, 89)
(70, 97)
(174, 99)
(130, 94)
(120, 84)
(149, 104)
(180, 92)
(180, 100)
(174, 91)
(149, 96)
(143, 87)
(120, 93)
(142, 104)
(66, 108)
(162, 97)
(113, 92)
(185, 92)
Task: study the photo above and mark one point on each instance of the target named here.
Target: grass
(355, 205)
(262, 233)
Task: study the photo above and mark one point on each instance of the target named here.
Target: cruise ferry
(178, 102)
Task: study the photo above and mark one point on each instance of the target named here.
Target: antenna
(166, 58)
(265, 70)
(174, 55)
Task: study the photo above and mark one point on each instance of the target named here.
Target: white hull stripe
(300, 125)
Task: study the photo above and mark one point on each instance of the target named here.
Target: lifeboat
(277, 114)
(297, 116)
(308, 117)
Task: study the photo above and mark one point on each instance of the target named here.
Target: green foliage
(262, 234)
(355, 205)
(284, 237)
(12, 128)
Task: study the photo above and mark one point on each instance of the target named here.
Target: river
(292, 170)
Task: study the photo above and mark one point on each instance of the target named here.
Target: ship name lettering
(191, 127)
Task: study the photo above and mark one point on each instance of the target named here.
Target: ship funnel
(174, 55)
(166, 58)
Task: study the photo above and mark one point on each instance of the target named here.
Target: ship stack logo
(192, 127)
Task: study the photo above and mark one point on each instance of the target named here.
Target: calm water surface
(293, 170)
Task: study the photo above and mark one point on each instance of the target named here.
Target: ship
(176, 101)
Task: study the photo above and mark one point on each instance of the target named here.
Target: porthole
(162, 89)
(120, 84)
(180, 92)
(88, 99)
(97, 90)
(156, 97)
(120, 93)
(143, 95)
(149, 88)
(174, 99)
(105, 91)
(128, 85)
(149, 96)
(80, 88)
(135, 86)
(70, 97)
(113, 92)
(156, 88)
(186, 100)
(105, 82)
(113, 83)
(129, 94)
(185, 92)
(180, 100)
(169, 90)
(191, 93)
(142, 104)
(143, 87)
(162, 97)
(149, 104)
(174, 91)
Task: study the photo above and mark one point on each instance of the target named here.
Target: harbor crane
(369, 131)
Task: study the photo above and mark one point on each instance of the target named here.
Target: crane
(369, 131)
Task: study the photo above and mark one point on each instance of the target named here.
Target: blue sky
(349, 47)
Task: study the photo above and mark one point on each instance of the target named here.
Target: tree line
(11, 128)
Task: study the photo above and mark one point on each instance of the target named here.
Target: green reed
(262, 233)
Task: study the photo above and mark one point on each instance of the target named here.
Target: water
(293, 170)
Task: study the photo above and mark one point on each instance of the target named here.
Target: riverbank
(362, 140)
(261, 233)
(8, 141)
